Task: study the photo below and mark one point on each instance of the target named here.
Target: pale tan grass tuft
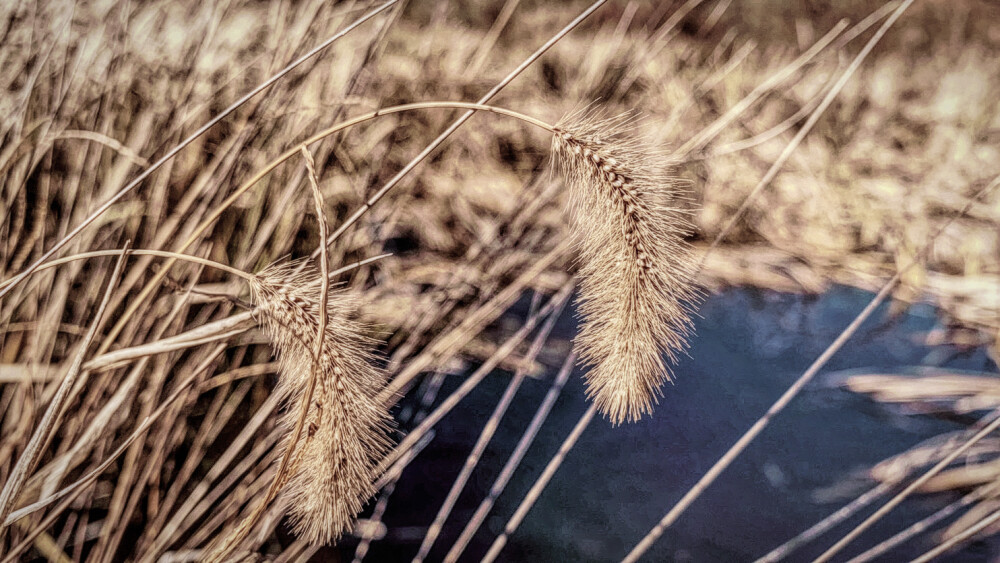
(636, 269)
(345, 436)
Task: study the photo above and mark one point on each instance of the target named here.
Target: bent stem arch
(215, 214)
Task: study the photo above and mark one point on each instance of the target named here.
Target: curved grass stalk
(184, 258)
(192, 338)
(148, 289)
(191, 138)
(246, 186)
(464, 117)
(139, 252)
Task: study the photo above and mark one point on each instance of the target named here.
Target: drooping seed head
(635, 267)
(345, 436)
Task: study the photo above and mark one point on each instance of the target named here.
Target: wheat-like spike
(635, 268)
(345, 436)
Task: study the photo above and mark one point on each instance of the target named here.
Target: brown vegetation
(157, 431)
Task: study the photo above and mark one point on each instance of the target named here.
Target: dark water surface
(618, 482)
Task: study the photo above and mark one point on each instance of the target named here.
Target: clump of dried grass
(636, 270)
(335, 460)
(472, 229)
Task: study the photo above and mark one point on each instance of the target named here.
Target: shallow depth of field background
(94, 91)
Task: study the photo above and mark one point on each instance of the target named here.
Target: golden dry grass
(179, 384)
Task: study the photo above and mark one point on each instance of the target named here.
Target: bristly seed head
(636, 270)
(346, 430)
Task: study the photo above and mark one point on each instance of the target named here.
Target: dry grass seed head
(636, 270)
(346, 432)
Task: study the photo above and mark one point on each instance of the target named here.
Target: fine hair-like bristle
(635, 268)
(346, 431)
